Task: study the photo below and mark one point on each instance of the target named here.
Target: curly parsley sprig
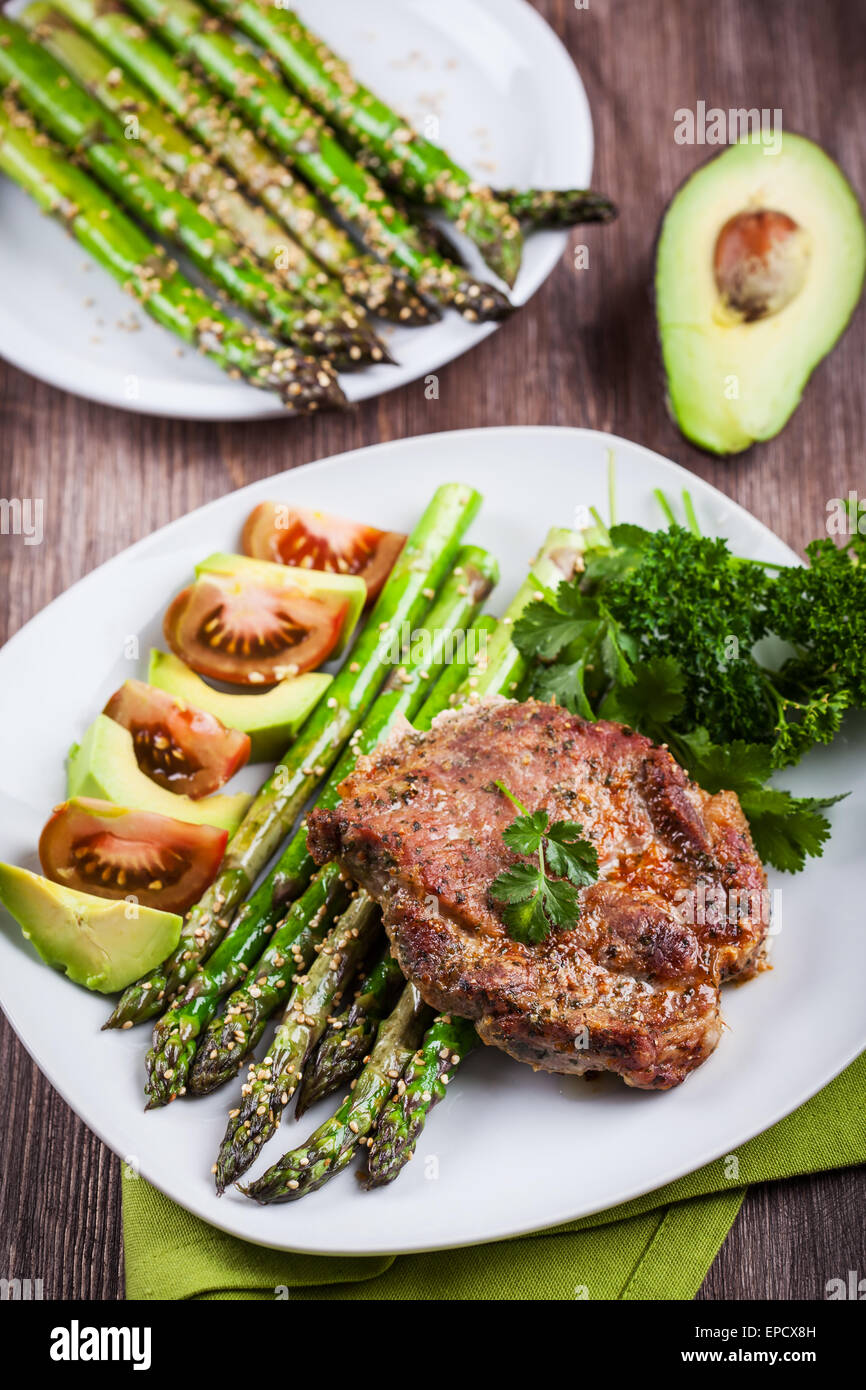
(542, 896)
(661, 632)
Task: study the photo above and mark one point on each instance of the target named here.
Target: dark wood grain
(583, 353)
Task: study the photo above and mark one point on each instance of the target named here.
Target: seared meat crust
(679, 905)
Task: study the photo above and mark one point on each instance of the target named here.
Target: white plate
(511, 107)
(516, 1151)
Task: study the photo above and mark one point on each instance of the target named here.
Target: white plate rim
(675, 1170)
(225, 400)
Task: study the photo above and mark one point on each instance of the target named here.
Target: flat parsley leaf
(566, 684)
(787, 828)
(550, 624)
(534, 903)
(516, 884)
(569, 855)
(524, 834)
(527, 921)
(654, 697)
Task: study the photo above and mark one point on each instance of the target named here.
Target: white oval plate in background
(511, 107)
(516, 1150)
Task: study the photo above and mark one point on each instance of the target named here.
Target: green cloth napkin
(659, 1246)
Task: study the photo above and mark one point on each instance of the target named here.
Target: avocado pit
(760, 263)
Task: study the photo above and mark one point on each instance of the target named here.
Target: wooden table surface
(582, 353)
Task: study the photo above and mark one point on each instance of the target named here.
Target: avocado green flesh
(102, 944)
(104, 765)
(318, 584)
(731, 383)
(270, 717)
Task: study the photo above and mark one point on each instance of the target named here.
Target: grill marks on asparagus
(422, 1085)
(349, 1037)
(334, 1144)
(171, 1069)
(333, 323)
(540, 208)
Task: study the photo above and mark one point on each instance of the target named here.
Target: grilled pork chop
(678, 907)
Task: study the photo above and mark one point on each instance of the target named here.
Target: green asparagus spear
(454, 686)
(538, 208)
(265, 1097)
(422, 1085)
(92, 217)
(333, 1145)
(382, 140)
(301, 135)
(347, 1042)
(232, 1038)
(262, 173)
(271, 1083)
(429, 554)
(288, 954)
(131, 173)
(349, 1037)
(174, 1036)
(331, 321)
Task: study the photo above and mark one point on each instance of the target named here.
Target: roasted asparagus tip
(136, 1005)
(167, 1070)
(389, 295)
(481, 303)
(539, 208)
(304, 384)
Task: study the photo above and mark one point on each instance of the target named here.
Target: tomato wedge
(319, 541)
(181, 748)
(244, 631)
(97, 847)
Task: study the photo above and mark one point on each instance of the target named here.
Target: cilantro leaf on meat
(524, 834)
(541, 896)
(569, 855)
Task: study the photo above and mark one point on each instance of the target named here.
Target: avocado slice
(104, 765)
(102, 944)
(270, 717)
(321, 584)
(759, 266)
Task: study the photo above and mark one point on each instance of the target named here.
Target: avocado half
(759, 266)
